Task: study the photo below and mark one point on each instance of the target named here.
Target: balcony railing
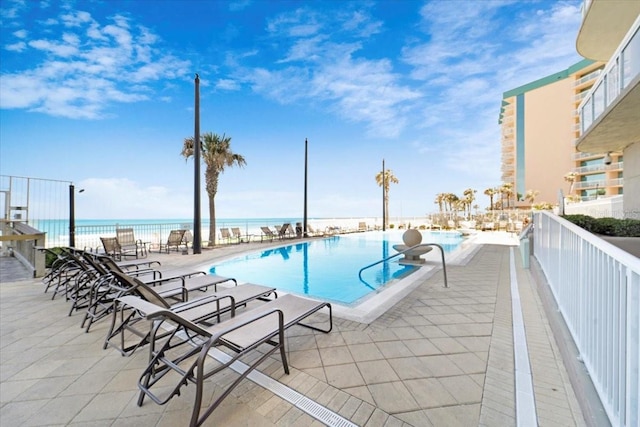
(601, 183)
(597, 289)
(621, 69)
(579, 155)
(598, 168)
(584, 79)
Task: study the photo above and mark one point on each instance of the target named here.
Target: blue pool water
(328, 268)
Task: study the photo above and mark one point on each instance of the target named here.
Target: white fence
(599, 208)
(597, 288)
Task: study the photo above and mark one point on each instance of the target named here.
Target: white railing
(597, 288)
(591, 76)
(598, 168)
(621, 69)
(617, 182)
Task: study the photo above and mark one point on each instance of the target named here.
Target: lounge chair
(267, 234)
(286, 231)
(129, 245)
(237, 234)
(141, 300)
(264, 324)
(175, 240)
(362, 226)
(315, 233)
(111, 247)
(175, 284)
(225, 235)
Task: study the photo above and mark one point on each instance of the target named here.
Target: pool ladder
(421, 245)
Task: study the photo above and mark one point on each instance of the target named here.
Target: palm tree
(490, 192)
(507, 190)
(217, 155)
(469, 197)
(571, 179)
(439, 200)
(531, 195)
(385, 180)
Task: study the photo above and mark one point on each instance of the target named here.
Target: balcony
(601, 183)
(604, 25)
(609, 114)
(598, 168)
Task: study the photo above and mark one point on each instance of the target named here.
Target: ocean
(89, 231)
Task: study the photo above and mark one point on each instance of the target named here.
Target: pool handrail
(421, 245)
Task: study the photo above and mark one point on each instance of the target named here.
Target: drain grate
(314, 409)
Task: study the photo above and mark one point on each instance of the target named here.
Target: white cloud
(16, 47)
(86, 66)
(227, 84)
(128, 199)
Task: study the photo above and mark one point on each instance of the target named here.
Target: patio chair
(175, 240)
(128, 310)
(129, 245)
(225, 235)
(259, 326)
(286, 231)
(175, 285)
(237, 234)
(111, 247)
(267, 234)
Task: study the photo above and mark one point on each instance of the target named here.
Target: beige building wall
(549, 137)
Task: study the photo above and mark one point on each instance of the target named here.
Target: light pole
(197, 238)
(72, 214)
(384, 195)
(304, 219)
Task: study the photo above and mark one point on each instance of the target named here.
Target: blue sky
(101, 93)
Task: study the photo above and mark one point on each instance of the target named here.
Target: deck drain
(314, 409)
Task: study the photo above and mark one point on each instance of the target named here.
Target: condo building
(609, 113)
(540, 125)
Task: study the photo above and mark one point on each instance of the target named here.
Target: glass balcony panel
(631, 60)
(587, 114)
(599, 99)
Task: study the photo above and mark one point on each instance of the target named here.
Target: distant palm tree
(385, 179)
(469, 197)
(216, 154)
(490, 192)
(507, 190)
(531, 195)
(571, 179)
(439, 200)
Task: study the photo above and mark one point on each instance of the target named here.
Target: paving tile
(362, 352)
(429, 393)
(335, 355)
(462, 388)
(455, 416)
(393, 397)
(377, 371)
(344, 376)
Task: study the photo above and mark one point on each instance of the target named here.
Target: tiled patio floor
(440, 357)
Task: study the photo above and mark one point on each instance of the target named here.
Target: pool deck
(438, 357)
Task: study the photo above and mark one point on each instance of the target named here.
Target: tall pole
(197, 237)
(72, 216)
(304, 220)
(384, 198)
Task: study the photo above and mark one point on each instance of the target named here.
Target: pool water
(328, 268)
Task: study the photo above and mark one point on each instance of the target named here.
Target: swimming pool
(328, 268)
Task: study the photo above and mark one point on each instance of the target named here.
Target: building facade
(609, 113)
(540, 125)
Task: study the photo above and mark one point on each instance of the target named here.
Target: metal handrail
(421, 245)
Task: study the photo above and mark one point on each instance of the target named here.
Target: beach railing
(596, 286)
